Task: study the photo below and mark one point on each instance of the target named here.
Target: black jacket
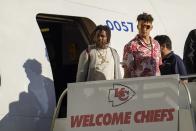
(173, 64)
(189, 56)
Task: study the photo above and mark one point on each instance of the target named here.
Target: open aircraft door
(65, 38)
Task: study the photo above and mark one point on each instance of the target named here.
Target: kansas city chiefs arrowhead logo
(120, 94)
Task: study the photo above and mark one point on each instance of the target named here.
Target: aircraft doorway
(65, 38)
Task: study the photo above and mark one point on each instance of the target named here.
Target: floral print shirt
(141, 59)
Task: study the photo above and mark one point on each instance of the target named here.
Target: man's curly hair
(145, 17)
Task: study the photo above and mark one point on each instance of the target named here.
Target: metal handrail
(189, 104)
(57, 109)
(188, 94)
(188, 76)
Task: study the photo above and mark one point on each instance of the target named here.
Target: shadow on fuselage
(34, 109)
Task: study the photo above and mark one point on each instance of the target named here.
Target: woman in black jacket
(189, 56)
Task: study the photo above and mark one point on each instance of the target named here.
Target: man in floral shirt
(142, 55)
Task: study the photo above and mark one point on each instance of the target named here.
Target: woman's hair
(100, 28)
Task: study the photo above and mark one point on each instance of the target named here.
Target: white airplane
(41, 41)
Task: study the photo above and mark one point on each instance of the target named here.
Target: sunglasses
(145, 26)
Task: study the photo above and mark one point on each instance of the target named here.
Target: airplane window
(65, 38)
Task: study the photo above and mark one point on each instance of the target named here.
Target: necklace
(102, 55)
(149, 46)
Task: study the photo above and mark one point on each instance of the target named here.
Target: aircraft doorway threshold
(65, 38)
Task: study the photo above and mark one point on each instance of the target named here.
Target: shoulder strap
(112, 49)
(115, 62)
(88, 52)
